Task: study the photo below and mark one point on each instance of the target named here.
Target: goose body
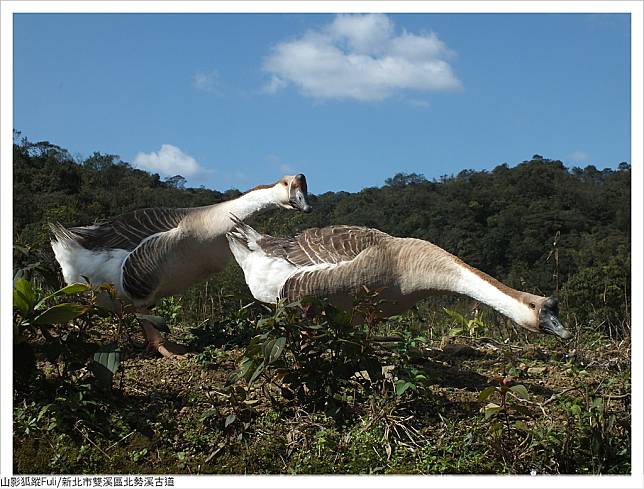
(336, 262)
(151, 253)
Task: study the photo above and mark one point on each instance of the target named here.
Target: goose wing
(316, 246)
(144, 267)
(372, 268)
(128, 230)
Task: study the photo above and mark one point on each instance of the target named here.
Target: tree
(176, 181)
(403, 179)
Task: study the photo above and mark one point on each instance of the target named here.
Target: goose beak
(549, 319)
(298, 201)
(550, 324)
(299, 194)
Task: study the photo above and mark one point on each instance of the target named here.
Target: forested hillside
(539, 226)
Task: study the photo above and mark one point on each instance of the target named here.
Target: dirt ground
(175, 416)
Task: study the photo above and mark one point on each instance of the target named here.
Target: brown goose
(337, 261)
(152, 253)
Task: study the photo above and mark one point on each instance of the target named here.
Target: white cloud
(168, 161)
(274, 85)
(579, 157)
(360, 57)
(279, 164)
(207, 82)
(364, 34)
(420, 103)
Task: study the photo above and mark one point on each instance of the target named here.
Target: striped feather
(316, 246)
(343, 278)
(126, 231)
(143, 267)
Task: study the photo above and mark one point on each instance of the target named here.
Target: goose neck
(431, 268)
(506, 300)
(251, 202)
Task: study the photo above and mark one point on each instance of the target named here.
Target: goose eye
(285, 184)
(531, 305)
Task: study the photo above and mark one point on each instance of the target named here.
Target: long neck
(212, 222)
(250, 203)
(433, 268)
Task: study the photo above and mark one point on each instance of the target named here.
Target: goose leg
(157, 342)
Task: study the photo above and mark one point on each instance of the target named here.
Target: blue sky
(236, 100)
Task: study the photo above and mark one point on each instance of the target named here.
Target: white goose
(148, 254)
(337, 261)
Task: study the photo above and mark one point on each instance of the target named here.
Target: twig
(117, 442)
(220, 393)
(621, 396)
(488, 340)
(372, 421)
(386, 339)
(212, 455)
(555, 396)
(90, 440)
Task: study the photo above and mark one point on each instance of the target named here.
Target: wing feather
(371, 268)
(316, 246)
(143, 267)
(128, 230)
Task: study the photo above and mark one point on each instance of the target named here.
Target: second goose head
(544, 316)
(293, 193)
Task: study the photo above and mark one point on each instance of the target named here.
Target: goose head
(292, 193)
(544, 316)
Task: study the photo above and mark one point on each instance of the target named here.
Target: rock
(460, 350)
(537, 370)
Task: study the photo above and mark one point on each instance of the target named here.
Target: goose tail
(242, 238)
(61, 234)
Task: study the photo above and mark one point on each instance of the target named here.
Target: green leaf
(25, 291)
(208, 413)
(105, 363)
(402, 386)
(455, 316)
(43, 411)
(273, 349)
(232, 378)
(61, 313)
(75, 288)
(262, 323)
(520, 425)
(22, 249)
(229, 420)
(71, 289)
(105, 300)
(487, 392)
(157, 321)
(491, 409)
(520, 391)
(455, 332)
(245, 366)
(20, 302)
(254, 347)
(575, 409)
(256, 373)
